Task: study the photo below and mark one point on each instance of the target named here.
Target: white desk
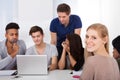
(52, 75)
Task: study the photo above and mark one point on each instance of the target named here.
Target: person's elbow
(61, 66)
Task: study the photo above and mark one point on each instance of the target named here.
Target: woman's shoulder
(93, 59)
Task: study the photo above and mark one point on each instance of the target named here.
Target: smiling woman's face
(93, 41)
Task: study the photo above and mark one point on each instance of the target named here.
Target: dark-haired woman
(73, 53)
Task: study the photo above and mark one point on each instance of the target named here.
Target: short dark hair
(116, 43)
(35, 29)
(64, 8)
(12, 25)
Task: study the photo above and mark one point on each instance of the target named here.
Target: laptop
(32, 64)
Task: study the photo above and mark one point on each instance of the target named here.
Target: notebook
(32, 64)
(7, 72)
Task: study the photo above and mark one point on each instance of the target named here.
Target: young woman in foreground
(101, 66)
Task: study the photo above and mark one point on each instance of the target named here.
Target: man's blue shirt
(62, 31)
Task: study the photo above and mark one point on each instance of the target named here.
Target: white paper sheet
(77, 72)
(6, 72)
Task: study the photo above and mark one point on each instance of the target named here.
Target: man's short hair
(12, 25)
(35, 29)
(64, 8)
(116, 43)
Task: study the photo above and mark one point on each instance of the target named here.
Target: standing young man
(10, 47)
(64, 24)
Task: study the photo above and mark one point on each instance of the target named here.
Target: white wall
(7, 14)
(34, 12)
(111, 17)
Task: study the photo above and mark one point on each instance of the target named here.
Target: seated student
(10, 47)
(116, 49)
(42, 48)
(100, 66)
(73, 53)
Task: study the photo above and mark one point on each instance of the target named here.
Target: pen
(15, 73)
(71, 72)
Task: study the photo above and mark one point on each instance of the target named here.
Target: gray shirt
(50, 51)
(6, 61)
(100, 68)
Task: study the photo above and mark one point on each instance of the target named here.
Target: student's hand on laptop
(52, 67)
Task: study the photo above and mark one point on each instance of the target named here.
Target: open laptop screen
(32, 64)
